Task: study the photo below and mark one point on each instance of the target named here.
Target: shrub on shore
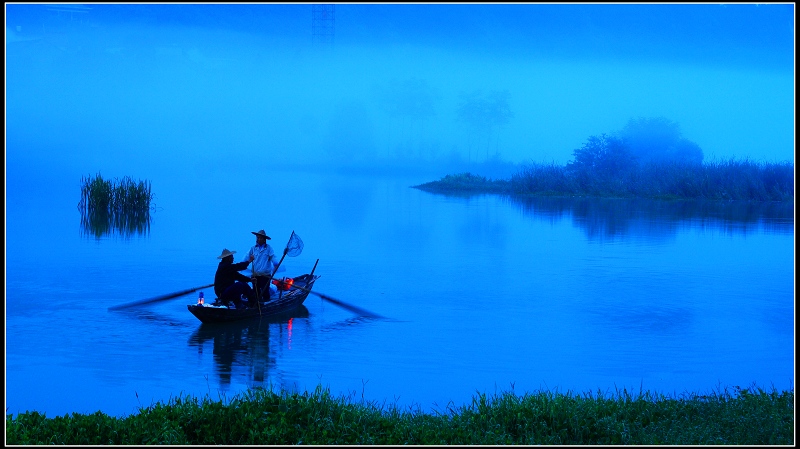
(743, 417)
(465, 183)
(721, 180)
(648, 158)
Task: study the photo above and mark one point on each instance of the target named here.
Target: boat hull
(287, 301)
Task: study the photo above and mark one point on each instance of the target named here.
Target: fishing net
(295, 245)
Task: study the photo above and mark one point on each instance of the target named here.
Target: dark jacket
(228, 274)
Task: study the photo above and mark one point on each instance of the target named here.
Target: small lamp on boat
(201, 299)
(284, 284)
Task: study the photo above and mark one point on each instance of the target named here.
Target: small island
(647, 159)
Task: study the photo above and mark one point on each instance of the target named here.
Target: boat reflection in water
(245, 348)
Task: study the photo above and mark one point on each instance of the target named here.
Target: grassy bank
(723, 180)
(742, 417)
(466, 183)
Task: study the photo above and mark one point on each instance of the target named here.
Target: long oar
(159, 298)
(255, 283)
(342, 304)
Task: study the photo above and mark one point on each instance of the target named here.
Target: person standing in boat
(263, 258)
(229, 284)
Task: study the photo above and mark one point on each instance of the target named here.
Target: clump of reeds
(544, 179)
(464, 182)
(732, 179)
(750, 416)
(118, 205)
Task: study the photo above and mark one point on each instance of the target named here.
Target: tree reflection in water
(608, 217)
(244, 343)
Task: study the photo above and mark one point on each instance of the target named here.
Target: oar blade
(350, 307)
(357, 310)
(158, 298)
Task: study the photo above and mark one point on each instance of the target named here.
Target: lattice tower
(322, 25)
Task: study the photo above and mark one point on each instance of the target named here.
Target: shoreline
(728, 181)
(743, 416)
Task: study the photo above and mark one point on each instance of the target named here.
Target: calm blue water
(483, 294)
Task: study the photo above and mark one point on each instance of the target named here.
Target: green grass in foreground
(744, 417)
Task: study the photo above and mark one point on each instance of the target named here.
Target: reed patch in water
(122, 205)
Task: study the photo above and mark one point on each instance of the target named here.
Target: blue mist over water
(482, 293)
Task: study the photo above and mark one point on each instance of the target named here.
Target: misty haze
(148, 85)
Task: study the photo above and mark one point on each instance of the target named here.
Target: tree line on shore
(648, 158)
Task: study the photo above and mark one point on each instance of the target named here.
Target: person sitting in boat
(229, 284)
(263, 258)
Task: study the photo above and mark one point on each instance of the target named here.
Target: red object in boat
(284, 284)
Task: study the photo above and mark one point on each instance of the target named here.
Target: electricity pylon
(322, 26)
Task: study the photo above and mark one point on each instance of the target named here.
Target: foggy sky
(128, 85)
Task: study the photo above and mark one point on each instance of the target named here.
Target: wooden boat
(241, 332)
(287, 301)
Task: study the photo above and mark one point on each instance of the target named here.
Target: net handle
(286, 251)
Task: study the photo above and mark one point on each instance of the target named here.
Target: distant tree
(604, 164)
(604, 155)
(412, 103)
(485, 114)
(659, 140)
